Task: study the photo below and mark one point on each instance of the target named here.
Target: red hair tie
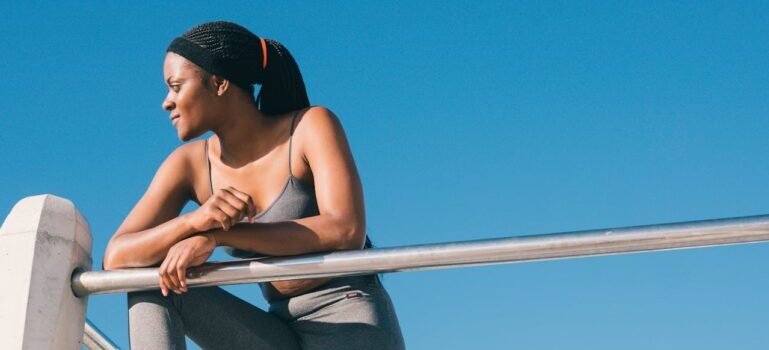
(264, 53)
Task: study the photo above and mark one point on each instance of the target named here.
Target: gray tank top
(295, 201)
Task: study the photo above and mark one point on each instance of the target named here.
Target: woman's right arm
(154, 224)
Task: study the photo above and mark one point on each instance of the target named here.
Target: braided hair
(234, 53)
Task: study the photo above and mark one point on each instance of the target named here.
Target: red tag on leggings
(351, 295)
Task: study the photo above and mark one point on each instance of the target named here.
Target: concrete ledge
(42, 241)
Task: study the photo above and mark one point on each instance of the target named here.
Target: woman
(277, 178)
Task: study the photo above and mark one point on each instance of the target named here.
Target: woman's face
(190, 101)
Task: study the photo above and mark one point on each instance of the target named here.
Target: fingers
(172, 272)
(222, 218)
(191, 251)
(227, 207)
(170, 275)
(161, 277)
(239, 201)
(230, 214)
(250, 209)
(181, 271)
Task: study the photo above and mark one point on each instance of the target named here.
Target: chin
(186, 135)
(185, 138)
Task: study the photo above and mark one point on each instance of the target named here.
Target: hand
(222, 210)
(192, 251)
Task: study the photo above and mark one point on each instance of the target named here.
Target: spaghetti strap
(290, 138)
(208, 164)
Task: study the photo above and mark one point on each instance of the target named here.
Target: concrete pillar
(42, 241)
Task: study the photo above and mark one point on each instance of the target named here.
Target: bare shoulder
(184, 156)
(318, 122)
(181, 165)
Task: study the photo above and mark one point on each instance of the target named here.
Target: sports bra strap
(208, 164)
(290, 139)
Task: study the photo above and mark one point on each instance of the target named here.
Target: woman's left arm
(341, 224)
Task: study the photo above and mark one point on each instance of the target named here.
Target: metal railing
(343, 263)
(444, 255)
(94, 339)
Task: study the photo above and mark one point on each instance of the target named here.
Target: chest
(265, 180)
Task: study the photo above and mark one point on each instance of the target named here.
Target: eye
(174, 87)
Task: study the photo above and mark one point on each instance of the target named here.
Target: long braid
(283, 89)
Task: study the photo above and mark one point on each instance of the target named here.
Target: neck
(246, 134)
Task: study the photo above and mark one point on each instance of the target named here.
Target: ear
(221, 85)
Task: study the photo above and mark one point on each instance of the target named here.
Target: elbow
(116, 258)
(107, 267)
(108, 262)
(121, 254)
(352, 236)
(112, 259)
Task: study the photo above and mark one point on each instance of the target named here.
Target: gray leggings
(346, 313)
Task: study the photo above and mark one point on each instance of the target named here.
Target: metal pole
(94, 339)
(444, 255)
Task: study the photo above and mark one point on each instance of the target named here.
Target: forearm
(307, 235)
(148, 247)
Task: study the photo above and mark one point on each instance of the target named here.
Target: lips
(174, 118)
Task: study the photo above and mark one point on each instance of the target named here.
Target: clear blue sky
(466, 122)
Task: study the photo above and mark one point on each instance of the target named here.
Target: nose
(167, 104)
